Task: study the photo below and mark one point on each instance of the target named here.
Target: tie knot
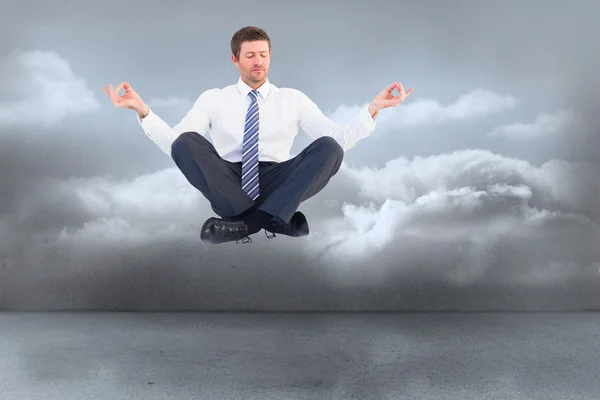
(254, 93)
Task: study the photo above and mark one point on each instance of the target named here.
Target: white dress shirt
(282, 112)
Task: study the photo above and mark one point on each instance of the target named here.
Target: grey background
(480, 192)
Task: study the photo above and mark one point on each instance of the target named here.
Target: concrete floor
(115, 356)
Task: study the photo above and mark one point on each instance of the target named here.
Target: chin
(258, 77)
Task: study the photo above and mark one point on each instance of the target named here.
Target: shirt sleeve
(316, 124)
(196, 120)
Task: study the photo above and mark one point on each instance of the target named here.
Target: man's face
(254, 61)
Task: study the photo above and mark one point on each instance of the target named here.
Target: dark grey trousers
(283, 186)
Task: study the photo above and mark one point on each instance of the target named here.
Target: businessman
(248, 176)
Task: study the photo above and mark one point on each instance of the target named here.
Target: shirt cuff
(147, 119)
(367, 121)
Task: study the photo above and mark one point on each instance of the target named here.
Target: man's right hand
(129, 100)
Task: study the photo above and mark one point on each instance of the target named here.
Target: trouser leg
(217, 179)
(285, 185)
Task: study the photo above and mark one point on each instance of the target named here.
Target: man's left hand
(387, 99)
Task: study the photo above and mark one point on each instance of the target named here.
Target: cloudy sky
(481, 191)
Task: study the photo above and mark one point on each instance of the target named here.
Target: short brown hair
(247, 34)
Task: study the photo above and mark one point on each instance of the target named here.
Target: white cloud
(40, 88)
(463, 205)
(462, 218)
(545, 125)
(418, 111)
(150, 207)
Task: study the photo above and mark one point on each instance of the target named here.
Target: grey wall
(480, 192)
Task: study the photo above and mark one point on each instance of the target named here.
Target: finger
(391, 88)
(112, 94)
(400, 88)
(126, 86)
(106, 91)
(118, 89)
(409, 91)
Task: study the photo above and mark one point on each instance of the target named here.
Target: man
(247, 176)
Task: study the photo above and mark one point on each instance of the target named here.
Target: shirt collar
(245, 89)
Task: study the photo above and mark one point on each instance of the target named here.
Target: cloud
(469, 216)
(155, 206)
(419, 112)
(545, 125)
(460, 219)
(40, 88)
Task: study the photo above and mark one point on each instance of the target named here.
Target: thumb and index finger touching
(113, 93)
(395, 100)
(398, 85)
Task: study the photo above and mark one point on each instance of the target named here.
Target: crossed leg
(291, 182)
(283, 186)
(217, 179)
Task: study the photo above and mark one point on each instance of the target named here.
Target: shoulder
(218, 91)
(287, 91)
(291, 93)
(215, 93)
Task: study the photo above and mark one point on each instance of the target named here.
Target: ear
(233, 59)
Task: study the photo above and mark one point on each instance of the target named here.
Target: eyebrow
(252, 52)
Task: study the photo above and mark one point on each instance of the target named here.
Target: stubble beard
(258, 78)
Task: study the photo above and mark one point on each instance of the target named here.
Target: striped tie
(250, 149)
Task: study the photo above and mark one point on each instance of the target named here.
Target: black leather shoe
(298, 226)
(216, 230)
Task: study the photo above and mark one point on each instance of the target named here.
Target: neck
(254, 85)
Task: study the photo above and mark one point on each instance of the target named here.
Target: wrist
(373, 110)
(144, 111)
